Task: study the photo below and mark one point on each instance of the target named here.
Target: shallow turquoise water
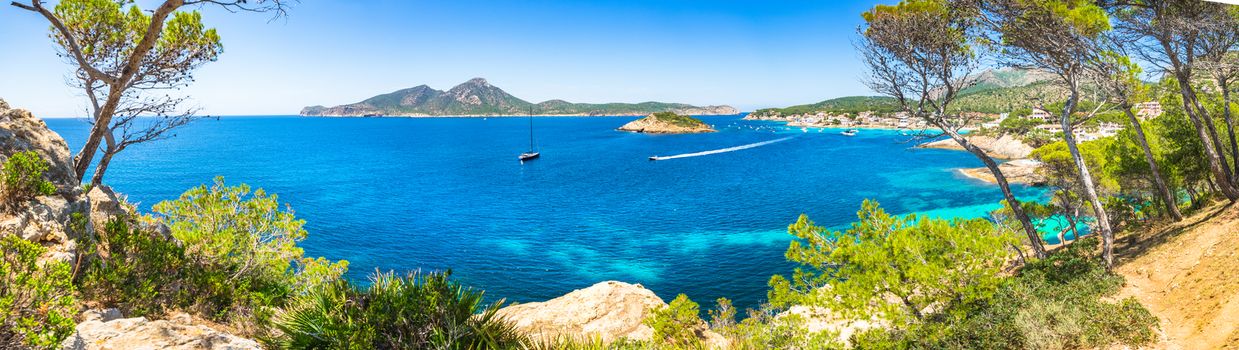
(439, 193)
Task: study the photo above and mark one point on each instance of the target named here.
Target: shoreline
(500, 115)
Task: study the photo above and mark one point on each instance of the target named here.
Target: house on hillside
(1041, 114)
(1148, 110)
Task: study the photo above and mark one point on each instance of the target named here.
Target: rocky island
(477, 97)
(667, 123)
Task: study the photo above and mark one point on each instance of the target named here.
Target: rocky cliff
(477, 97)
(667, 123)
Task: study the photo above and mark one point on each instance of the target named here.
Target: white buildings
(1041, 114)
(1148, 110)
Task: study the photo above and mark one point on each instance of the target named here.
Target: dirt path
(1187, 274)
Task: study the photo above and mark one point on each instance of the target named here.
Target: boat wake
(723, 150)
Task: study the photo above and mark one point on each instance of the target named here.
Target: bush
(142, 273)
(1054, 303)
(764, 329)
(677, 323)
(21, 178)
(415, 311)
(898, 269)
(232, 258)
(36, 302)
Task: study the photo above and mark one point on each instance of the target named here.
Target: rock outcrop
(1004, 147)
(667, 123)
(21, 131)
(106, 330)
(1019, 171)
(608, 310)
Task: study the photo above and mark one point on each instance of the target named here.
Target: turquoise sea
(448, 193)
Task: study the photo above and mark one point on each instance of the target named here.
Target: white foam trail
(724, 150)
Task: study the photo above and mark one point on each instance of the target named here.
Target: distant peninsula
(476, 97)
(667, 123)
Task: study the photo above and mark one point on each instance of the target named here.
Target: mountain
(995, 91)
(477, 97)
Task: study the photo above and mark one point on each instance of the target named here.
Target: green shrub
(899, 269)
(232, 258)
(242, 249)
(1053, 303)
(762, 329)
(677, 323)
(36, 302)
(142, 273)
(415, 311)
(21, 178)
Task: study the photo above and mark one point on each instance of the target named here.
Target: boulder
(608, 310)
(105, 205)
(21, 131)
(106, 330)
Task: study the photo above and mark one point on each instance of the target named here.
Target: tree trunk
(101, 168)
(1034, 239)
(102, 122)
(1211, 153)
(1172, 205)
(1090, 190)
(1182, 73)
(1224, 83)
(103, 119)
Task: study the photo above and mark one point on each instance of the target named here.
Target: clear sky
(749, 54)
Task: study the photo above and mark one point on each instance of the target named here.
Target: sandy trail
(1187, 274)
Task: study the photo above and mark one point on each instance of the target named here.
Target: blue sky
(749, 54)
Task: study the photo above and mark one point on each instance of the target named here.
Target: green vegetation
(997, 91)
(897, 269)
(1054, 303)
(232, 256)
(415, 311)
(21, 179)
(36, 300)
(843, 105)
(677, 323)
(679, 120)
(143, 273)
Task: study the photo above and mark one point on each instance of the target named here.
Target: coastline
(501, 115)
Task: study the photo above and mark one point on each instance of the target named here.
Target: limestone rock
(105, 205)
(1004, 147)
(1019, 171)
(106, 330)
(667, 123)
(21, 131)
(609, 310)
(44, 218)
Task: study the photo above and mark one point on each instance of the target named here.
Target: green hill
(995, 91)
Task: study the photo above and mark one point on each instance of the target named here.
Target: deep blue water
(438, 193)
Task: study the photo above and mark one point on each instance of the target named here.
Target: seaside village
(901, 120)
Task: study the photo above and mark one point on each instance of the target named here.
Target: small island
(667, 123)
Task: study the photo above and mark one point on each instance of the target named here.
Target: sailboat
(531, 154)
